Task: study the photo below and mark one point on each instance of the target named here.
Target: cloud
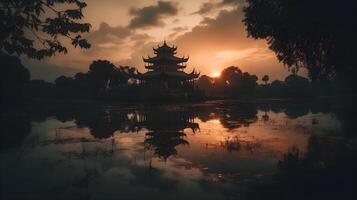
(205, 8)
(207, 20)
(175, 21)
(108, 41)
(222, 41)
(226, 31)
(180, 29)
(106, 33)
(217, 41)
(211, 6)
(230, 2)
(141, 39)
(176, 31)
(153, 15)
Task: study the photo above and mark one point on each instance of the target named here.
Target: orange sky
(209, 31)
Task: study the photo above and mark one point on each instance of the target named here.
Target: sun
(216, 74)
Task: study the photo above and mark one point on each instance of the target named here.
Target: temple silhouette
(166, 70)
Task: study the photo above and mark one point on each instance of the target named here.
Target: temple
(166, 71)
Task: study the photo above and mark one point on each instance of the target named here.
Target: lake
(209, 150)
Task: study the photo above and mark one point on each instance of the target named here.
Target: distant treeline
(101, 79)
(106, 81)
(233, 83)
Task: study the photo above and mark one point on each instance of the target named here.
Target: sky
(210, 32)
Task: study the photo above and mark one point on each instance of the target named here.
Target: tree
(65, 86)
(101, 73)
(35, 27)
(318, 35)
(298, 86)
(265, 79)
(205, 83)
(40, 89)
(14, 77)
(234, 82)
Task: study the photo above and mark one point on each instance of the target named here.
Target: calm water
(212, 150)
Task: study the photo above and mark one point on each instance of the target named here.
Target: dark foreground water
(212, 150)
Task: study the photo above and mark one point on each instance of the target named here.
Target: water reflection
(14, 128)
(214, 150)
(165, 130)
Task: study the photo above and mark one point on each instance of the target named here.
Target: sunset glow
(123, 37)
(215, 74)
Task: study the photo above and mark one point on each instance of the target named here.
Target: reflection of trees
(231, 116)
(292, 110)
(102, 124)
(296, 110)
(237, 144)
(164, 143)
(165, 127)
(327, 169)
(14, 129)
(344, 109)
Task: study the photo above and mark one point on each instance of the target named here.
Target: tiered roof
(165, 57)
(166, 63)
(178, 74)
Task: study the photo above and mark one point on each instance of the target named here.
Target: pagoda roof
(179, 74)
(165, 48)
(160, 58)
(176, 67)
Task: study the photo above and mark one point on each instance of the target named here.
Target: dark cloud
(153, 15)
(225, 31)
(180, 29)
(206, 8)
(230, 2)
(211, 6)
(207, 21)
(106, 33)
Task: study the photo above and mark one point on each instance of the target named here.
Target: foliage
(205, 84)
(321, 172)
(102, 78)
(315, 34)
(24, 21)
(39, 89)
(294, 86)
(265, 78)
(232, 82)
(14, 76)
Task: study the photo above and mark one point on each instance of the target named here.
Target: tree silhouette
(14, 76)
(40, 89)
(320, 39)
(24, 21)
(234, 82)
(205, 83)
(265, 79)
(103, 74)
(64, 86)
